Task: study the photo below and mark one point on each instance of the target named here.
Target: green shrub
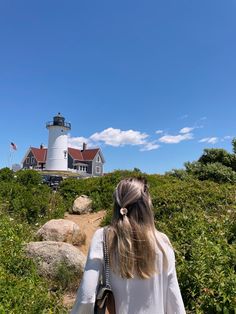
(211, 171)
(30, 204)
(6, 174)
(21, 288)
(100, 189)
(206, 260)
(30, 200)
(28, 177)
(216, 155)
(66, 279)
(177, 195)
(215, 164)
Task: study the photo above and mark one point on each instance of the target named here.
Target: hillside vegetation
(196, 212)
(24, 205)
(199, 218)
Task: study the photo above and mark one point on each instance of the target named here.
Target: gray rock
(61, 230)
(50, 255)
(82, 205)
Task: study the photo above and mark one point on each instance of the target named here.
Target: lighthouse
(57, 153)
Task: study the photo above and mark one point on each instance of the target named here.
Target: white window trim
(83, 168)
(98, 169)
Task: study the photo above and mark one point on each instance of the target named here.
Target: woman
(142, 262)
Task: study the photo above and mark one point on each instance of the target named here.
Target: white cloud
(175, 139)
(186, 130)
(159, 131)
(185, 116)
(77, 142)
(117, 137)
(150, 146)
(228, 137)
(210, 140)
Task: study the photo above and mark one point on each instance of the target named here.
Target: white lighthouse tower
(57, 153)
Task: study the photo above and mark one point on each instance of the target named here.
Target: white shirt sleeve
(175, 303)
(86, 294)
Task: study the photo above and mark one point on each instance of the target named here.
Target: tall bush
(25, 196)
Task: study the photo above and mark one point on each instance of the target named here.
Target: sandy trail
(88, 223)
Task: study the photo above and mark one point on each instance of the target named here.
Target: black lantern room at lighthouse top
(59, 120)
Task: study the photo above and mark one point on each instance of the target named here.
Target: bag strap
(106, 260)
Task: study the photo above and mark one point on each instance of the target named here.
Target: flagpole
(13, 148)
(9, 158)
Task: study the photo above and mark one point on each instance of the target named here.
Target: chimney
(41, 146)
(84, 147)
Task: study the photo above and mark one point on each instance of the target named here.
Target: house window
(98, 169)
(83, 168)
(65, 154)
(98, 158)
(32, 160)
(27, 160)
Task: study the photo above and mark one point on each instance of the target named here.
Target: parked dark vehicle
(46, 179)
(52, 181)
(55, 181)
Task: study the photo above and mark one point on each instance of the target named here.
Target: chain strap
(106, 260)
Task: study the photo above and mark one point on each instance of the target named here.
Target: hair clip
(123, 211)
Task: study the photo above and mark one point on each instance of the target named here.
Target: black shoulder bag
(105, 302)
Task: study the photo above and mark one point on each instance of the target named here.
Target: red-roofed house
(87, 162)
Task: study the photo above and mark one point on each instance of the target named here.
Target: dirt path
(88, 223)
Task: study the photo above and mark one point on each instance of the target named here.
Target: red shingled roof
(40, 154)
(89, 154)
(75, 153)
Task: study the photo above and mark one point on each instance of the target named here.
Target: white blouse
(157, 295)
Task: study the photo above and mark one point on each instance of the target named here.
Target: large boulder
(82, 205)
(50, 256)
(61, 230)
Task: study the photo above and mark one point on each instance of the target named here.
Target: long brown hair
(131, 238)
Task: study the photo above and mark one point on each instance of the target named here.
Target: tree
(28, 177)
(234, 145)
(6, 174)
(212, 155)
(215, 164)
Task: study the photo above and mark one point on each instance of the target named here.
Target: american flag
(13, 146)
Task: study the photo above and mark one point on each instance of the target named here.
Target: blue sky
(152, 83)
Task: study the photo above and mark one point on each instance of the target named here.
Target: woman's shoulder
(166, 244)
(98, 234)
(96, 246)
(97, 237)
(163, 237)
